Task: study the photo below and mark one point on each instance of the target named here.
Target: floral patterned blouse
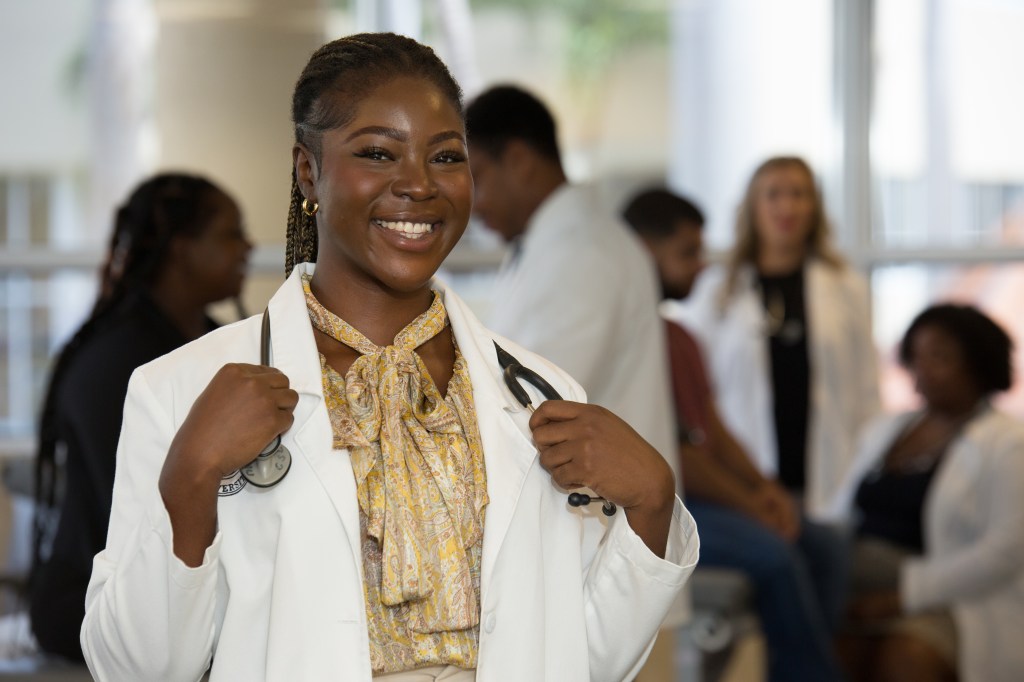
(421, 488)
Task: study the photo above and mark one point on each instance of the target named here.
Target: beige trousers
(438, 673)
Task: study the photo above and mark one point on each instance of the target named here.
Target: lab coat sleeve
(628, 592)
(995, 557)
(148, 616)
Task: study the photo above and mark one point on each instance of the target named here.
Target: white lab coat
(582, 292)
(974, 539)
(565, 595)
(843, 368)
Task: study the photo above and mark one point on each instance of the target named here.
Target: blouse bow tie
(416, 507)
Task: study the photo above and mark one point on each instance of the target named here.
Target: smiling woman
(423, 525)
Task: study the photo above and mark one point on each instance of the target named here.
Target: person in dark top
(785, 328)
(178, 245)
(748, 521)
(937, 498)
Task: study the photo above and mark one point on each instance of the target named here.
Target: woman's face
(941, 374)
(394, 187)
(218, 257)
(784, 203)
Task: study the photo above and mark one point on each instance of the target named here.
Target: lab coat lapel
(751, 320)
(509, 452)
(294, 352)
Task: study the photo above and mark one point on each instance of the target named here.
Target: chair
(722, 613)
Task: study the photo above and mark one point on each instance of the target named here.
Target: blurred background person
(786, 330)
(937, 496)
(748, 522)
(178, 245)
(577, 287)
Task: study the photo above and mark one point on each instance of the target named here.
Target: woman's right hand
(241, 410)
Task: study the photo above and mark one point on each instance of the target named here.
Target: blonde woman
(786, 330)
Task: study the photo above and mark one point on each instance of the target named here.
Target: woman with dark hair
(422, 531)
(177, 246)
(937, 496)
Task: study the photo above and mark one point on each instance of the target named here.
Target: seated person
(938, 500)
(748, 522)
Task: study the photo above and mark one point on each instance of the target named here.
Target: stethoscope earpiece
(582, 499)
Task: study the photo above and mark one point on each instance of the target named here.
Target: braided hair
(336, 79)
(161, 208)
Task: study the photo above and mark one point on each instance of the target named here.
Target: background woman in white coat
(938, 501)
(786, 332)
(420, 532)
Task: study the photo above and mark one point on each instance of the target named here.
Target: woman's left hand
(587, 446)
(876, 606)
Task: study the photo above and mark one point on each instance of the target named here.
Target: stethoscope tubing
(274, 461)
(513, 372)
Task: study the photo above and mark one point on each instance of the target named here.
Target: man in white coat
(577, 286)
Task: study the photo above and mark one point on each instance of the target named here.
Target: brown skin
(402, 157)
(588, 446)
(241, 410)
(951, 393)
(202, 269)
(369, 176)
(511, 186)
(678, 258)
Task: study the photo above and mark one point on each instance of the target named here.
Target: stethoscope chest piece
(270, 467)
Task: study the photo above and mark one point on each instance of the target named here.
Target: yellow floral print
(421, 489)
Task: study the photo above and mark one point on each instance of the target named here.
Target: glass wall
(947, 136)
(946, 150)
(750, 80)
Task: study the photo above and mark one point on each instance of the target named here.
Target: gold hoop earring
(310, 211)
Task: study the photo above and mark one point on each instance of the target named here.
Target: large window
(750, 80)
(946, 135)
(43, 294)
(946, 143)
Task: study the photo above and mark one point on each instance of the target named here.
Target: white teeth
(411, 230)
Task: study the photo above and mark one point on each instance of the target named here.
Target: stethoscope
(513, 373)
(274, 462)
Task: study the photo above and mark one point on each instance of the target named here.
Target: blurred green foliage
(598, 29)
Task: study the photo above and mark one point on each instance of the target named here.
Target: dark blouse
(786, 313)
(891, 506)
(89, 404)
